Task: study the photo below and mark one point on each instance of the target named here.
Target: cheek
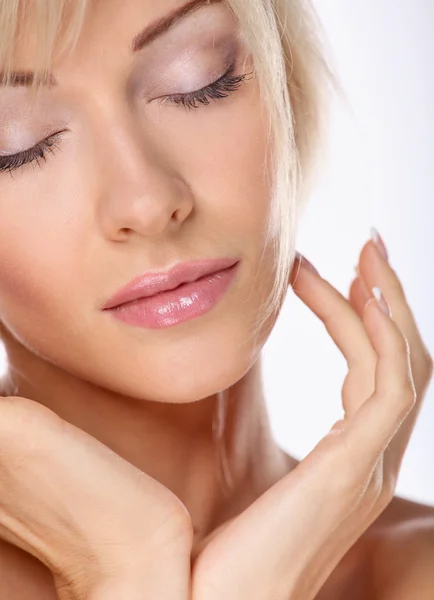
(36, 271)
(42, 245)
(224, 155)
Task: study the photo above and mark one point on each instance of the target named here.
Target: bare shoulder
(401, 553)
(392, 560)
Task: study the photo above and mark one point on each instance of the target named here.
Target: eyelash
(223, 87)
(16, 161)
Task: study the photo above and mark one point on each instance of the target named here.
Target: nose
(142, 192)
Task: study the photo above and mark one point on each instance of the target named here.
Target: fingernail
(378, 241)
(381, 300)
(306, 263)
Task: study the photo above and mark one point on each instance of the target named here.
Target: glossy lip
(152, 283)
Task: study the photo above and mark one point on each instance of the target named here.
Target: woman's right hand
(96, 521)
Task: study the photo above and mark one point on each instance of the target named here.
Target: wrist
(115, 589)
(167, 588)
(162, 582)
(134, 574)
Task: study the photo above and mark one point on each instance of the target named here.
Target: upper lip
(152, 283)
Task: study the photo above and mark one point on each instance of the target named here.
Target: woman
(144, 262)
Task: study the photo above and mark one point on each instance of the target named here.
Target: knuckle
(407, 398)
(406, 403)
(403, 396)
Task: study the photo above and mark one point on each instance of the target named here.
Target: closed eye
(16, 161)
(219, 89)
(222, 88)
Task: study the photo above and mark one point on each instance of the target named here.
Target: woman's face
(134, 183)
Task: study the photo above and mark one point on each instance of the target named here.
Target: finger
(345, 328)
(358, 295)
(358, 448)
(376, 271)
(378, 419)
(361, 382)
(336, 313)
(374, 268)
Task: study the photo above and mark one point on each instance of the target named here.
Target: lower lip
(186, 302)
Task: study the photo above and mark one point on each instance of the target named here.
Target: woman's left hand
(286, 544)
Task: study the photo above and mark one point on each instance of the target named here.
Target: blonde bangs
(53, 25)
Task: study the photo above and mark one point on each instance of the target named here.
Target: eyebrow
(150, 33)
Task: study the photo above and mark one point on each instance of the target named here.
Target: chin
(184, 370)
(201, 381)
(192, 379)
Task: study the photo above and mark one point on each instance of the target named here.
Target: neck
(216, 454)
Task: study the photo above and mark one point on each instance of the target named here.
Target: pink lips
(157, 300)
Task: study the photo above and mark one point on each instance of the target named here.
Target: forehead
(157, 19)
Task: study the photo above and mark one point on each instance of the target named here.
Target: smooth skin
(98, 524)
(364, 541)
(314, 515)
(137, 185)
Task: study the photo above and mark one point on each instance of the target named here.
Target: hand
(97, 522)
(287, 543)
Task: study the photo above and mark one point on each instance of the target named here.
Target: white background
(380, 173)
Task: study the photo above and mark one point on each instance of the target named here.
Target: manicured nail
(306, 263)
(381, 300)
(378, 241)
